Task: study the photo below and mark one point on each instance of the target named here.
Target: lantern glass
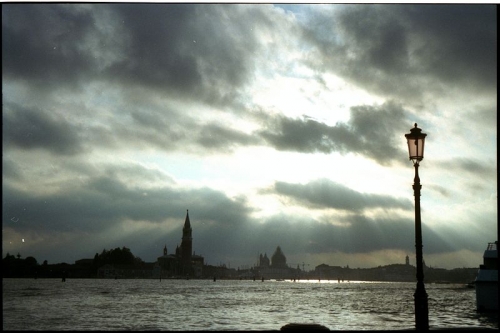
(416, 140)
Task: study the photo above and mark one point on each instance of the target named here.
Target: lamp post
(416, 141)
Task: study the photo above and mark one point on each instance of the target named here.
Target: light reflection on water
(89, 304)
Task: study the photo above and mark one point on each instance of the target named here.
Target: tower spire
(187, 245)
(187, 223)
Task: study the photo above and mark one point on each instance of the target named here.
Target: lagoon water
(182, 305)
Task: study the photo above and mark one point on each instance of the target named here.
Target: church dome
(278, 259)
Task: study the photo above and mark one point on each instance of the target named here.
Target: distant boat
(486, 282)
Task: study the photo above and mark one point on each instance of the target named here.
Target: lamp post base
(421, 308)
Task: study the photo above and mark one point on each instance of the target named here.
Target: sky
(274, 125)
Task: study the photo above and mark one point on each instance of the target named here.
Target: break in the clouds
(275, 125)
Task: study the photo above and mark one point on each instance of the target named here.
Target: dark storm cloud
(306, 135)
(42, 43)
(371, 131)
(185, 48)
(214, 136)
(324, 193)
(463, 44)
(182, 49)
(29, 128)
(103, 201)
(158, 48)
(402, 50)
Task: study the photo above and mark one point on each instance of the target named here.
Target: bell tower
(186, 245)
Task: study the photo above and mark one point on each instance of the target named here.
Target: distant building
(276, 268)
(407, 260)
(184, 262)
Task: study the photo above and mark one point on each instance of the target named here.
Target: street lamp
(416, 141)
